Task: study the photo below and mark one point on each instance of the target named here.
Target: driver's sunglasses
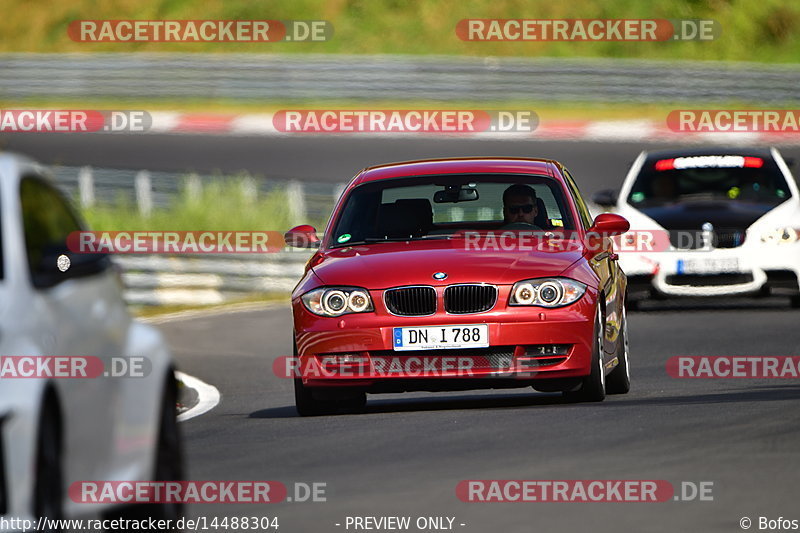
(514, 209)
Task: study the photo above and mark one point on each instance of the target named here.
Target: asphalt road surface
(407, 453)
(595, 165)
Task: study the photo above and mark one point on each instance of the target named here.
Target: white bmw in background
(731, 217)
(55, 431)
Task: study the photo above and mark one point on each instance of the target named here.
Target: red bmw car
(459, 274)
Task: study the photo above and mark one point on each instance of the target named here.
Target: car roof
(14, 166)
(749, 151)
(461, 165)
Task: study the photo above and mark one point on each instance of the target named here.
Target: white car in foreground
(728, 220)
(55, 431)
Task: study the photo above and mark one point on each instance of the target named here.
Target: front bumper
(514, 357)
(743, 270)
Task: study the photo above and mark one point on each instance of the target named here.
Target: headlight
(780, 236)
(337, 301)
(546, 292)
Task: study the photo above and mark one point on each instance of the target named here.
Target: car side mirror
(303, 236)
(52, 269)
(606, 197)
(609, 225)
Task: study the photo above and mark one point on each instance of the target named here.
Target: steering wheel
(522, 225)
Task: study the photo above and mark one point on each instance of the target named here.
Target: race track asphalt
(407, 453)
(595, 165)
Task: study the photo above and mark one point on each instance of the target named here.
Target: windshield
(431, 207)
(728, 178)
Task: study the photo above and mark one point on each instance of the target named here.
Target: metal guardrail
(198, 279)
(309, 200)
(437, 78)
(209, 279)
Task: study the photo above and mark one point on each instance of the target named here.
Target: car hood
(692, 215)
(384, 265)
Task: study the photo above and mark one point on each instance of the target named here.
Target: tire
(307, 405)
(593, 386)
(304, 400)
(619, 380)
(48, 495)
(331, 402)
(169, 455)
(168, 463)
(352, 401)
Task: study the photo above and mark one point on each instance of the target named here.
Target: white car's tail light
(546, 292)
(337, 301)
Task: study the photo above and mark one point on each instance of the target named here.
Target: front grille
(411, 301)
(463, 299)
(687, 240)
(493, 357)
(719, 238)
(729, 238)
(709, 280)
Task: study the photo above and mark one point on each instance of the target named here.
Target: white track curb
(208, 396)
(578, 130)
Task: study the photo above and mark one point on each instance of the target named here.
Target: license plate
(708, 265)
(441, 337)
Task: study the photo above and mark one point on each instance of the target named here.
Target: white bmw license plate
(439, 337)
(708, 265)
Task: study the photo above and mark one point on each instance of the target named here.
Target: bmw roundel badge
(440, 275)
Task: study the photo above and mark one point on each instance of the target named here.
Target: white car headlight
(337, 301)
(546, 292)
(780, 236)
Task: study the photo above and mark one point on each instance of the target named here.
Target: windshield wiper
(373, 240)
(403, 239)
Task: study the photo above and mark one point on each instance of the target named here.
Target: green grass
(752, 30)
(222, 205)
(547, 111)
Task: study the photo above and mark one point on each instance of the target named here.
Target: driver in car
(519, 206)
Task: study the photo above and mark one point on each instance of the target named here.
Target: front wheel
(329, 401)
(48, 487)
(169, 455)
(168, 464)
(593, 387)
(619, 380)
(307, 405)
